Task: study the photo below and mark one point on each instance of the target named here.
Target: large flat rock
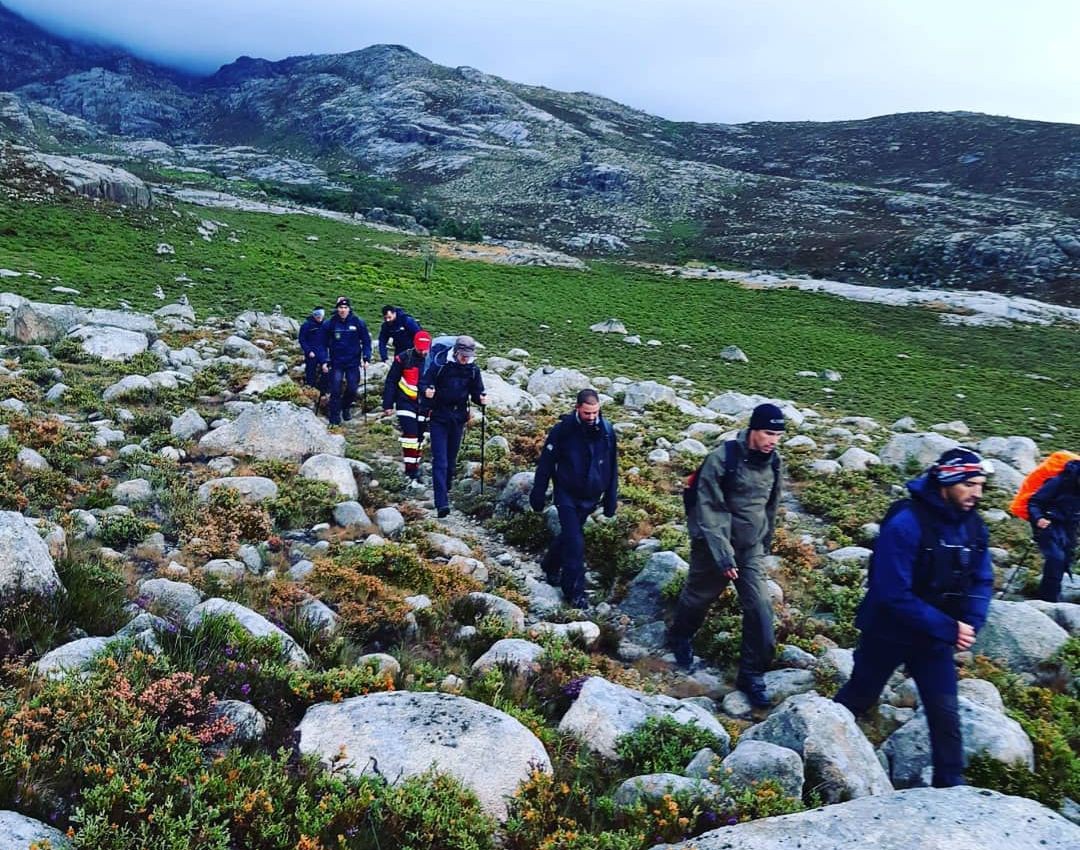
(962, 818)
(403, 734)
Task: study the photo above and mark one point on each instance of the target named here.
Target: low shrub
(663, 745)
(118, 531)
(303, 502)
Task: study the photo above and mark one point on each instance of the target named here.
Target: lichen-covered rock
(605, 711)
(26, 565)
(273, 430)
(402, 733)
(961, 818)
(839, 761)
(251, 621)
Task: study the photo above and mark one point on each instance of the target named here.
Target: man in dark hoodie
(350, 347)
(929, 588)
(580, 453)
(730, 517)
(313, 344)
(399, 327)
(1055, 514)
(448, 390)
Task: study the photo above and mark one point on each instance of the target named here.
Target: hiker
(928, 593)
(730, 519)
(1055, 514)
(447, 391)
(401, 390)
(350, 346)
(313, 344)
(399, 327)
(580, 454)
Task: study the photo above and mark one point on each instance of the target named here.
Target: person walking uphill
(1055, 514)
(581, 455)
(401, 390)
(930, 582)
(313, 344)
(731, 507)
(349, 346)
(447, 391)
(399, 327)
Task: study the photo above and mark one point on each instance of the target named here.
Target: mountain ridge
(954, 199)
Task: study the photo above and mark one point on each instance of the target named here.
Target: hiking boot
(754, 687)
(335, 421)
(346, 415)
(581, 602)
(683, 651)
(442, 513)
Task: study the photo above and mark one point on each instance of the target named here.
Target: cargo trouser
(705, 583)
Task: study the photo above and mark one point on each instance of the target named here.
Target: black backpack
(731, 463)
(943, 574)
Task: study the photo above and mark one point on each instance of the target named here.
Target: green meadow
(894, 361)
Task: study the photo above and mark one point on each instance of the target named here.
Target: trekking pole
(1020, 568)
(363, 398)
(483, 443)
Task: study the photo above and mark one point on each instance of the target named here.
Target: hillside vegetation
(894, 361)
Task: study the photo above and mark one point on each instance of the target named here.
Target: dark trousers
(1057, 548)
(313, 372)
(705, 582)
(934, 672)
(567, 551)
(445, 442)
(344, 381)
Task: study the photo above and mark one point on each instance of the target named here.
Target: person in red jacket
(401, 391)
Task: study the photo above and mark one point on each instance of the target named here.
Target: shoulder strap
(731, 460)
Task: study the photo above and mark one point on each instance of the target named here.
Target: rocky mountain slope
(242, 574)
(959, 199)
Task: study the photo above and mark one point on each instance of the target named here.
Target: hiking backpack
(1054, 465)
(731, 463)
(944, 586)
(436, 358)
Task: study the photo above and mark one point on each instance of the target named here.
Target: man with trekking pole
(928, 592)
(581, 456)
(349, 346)
(447, 390)
(1054, 511)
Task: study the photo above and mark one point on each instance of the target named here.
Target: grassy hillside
(894, 361)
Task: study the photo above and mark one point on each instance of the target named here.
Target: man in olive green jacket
(731, 514)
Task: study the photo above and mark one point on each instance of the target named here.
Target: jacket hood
(926, 490)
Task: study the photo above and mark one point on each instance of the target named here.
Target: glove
(536, 501)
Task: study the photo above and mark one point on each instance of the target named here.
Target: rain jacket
(900, 604)
(737, 522)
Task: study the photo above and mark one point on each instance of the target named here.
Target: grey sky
(699, 60)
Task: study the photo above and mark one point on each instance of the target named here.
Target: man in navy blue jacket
(349, 345)
(929, 591)
(313, 344)
(1055, 515)
(448, 390)
(399, 327)
(580, 453)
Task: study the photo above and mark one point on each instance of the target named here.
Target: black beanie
(767, 417)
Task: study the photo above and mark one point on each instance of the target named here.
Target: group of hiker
(930, 576)
(432, 401)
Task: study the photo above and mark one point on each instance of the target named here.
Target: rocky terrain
(956, 199)
(133, 420)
